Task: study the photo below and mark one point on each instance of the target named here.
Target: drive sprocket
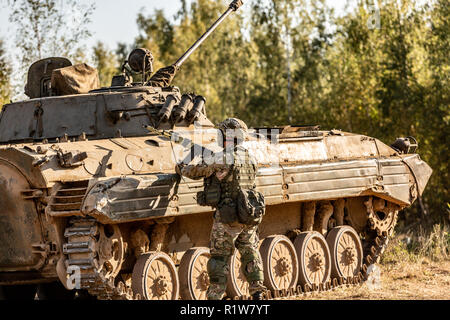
(97, 251)
(382, 215)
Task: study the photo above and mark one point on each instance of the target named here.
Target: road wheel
(193, 274)
(110, 250)
(155, 277)
(237, 285)
(280, 263)
(346, 252)
(313, 258)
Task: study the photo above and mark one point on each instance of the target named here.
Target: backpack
(250, 206)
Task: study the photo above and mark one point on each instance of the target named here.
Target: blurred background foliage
(5, 71)
(296, 62)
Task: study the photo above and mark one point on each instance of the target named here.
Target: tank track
(104, 288)
(81, 241)
(375, 249)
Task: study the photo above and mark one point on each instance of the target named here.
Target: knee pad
(252, 266)
(218, 269)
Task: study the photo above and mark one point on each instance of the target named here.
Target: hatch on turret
(57, 77)
(40, 75)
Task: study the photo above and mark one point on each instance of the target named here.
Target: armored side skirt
(132, 198)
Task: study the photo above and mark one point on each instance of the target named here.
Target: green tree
(434, 114)
(106, 62)
(227, 48)
(157, 33)
(45, 28)
(5, 72)
(268, 95)
(312, 45)
(291, 42)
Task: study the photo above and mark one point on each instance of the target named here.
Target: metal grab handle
(234, 6)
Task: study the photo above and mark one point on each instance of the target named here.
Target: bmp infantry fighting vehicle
(90, 200)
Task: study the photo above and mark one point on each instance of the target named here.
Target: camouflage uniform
(227, 233)
(224, 238)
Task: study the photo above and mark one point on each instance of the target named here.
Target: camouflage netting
(76, 79)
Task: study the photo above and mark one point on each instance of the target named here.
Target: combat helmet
(233, 123)
(141, 60)
(234, 128)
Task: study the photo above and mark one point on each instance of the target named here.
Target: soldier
(226, 187)
(142, 58)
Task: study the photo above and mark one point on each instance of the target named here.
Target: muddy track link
(82, 242)
(376, 250)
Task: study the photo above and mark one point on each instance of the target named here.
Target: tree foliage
(5, 72)
(106, 63)
(46, 28)
(296, 61)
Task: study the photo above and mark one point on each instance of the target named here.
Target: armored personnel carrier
(90, 200)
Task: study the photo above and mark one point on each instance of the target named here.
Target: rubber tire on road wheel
(143, 271)
(237, 284)
(304, 244)
(189, 278)
(335, 238)
(273, 278)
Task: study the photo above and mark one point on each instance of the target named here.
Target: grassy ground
(429, 280)
(415, 266)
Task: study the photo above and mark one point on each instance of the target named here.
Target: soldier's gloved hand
(221, 171)
(222, 174)
(179, 168)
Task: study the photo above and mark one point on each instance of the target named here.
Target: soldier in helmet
(227, 186)
(142, 58)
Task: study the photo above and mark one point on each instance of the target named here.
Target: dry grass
(402, 281)
(415, 266)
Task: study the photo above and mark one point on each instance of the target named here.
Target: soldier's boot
(216, 291)
(258, 295)
(257, 289)
(254, 273)
(217, 271)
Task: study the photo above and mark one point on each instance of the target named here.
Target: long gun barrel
(234, 6)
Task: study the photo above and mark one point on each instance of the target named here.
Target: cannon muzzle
(234, 6)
